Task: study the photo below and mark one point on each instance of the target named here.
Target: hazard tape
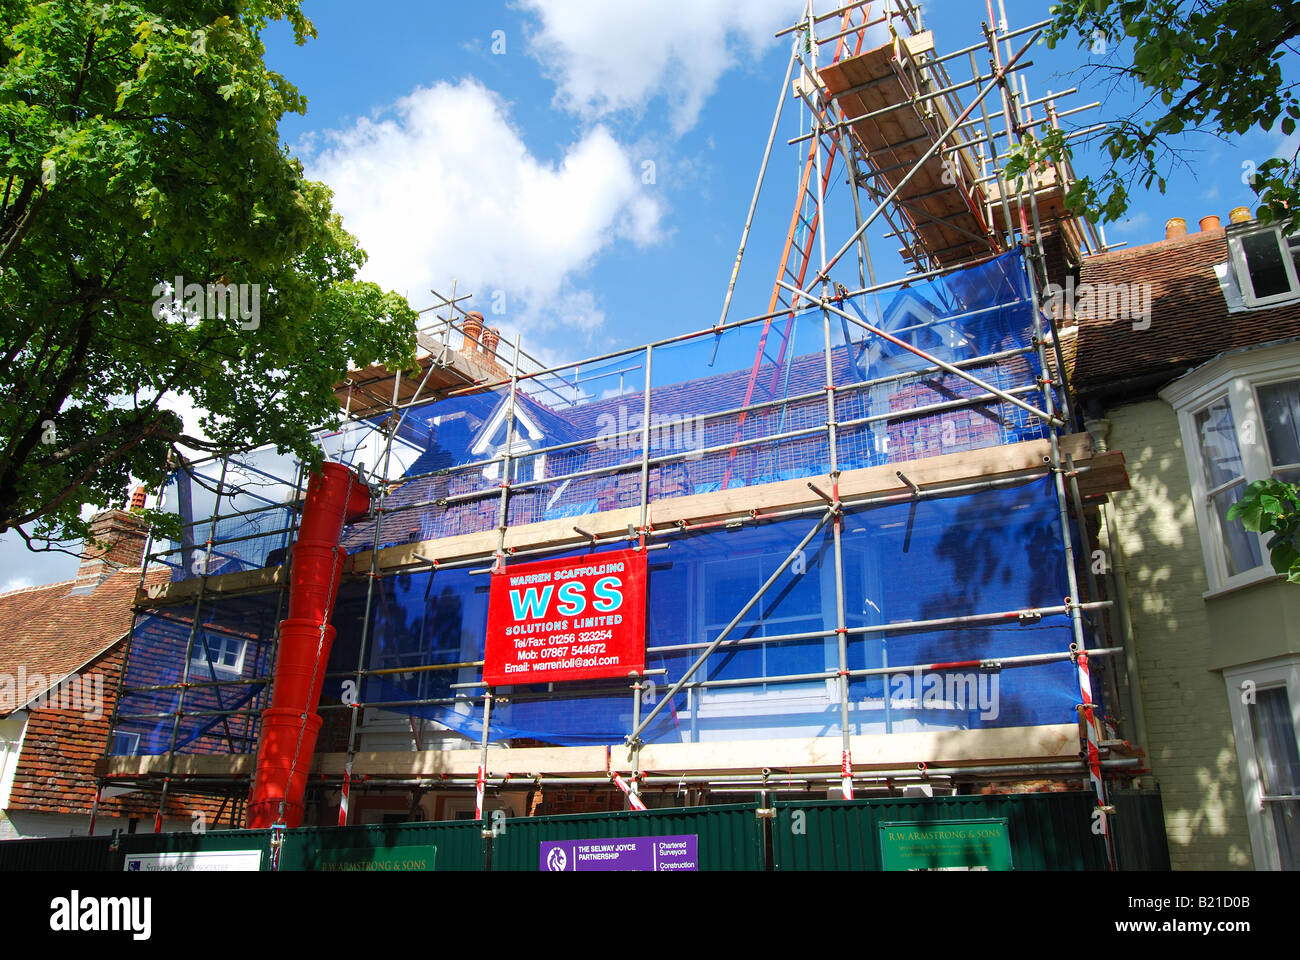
(627, 791)
(343, 803)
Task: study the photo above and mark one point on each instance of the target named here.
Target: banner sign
(193, 861)
(945, 845)
(655, 854)
(377, 859)
(574, 619)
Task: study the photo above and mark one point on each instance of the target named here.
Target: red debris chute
(290, 725)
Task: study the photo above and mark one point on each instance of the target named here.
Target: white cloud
(1138, 221)
(441, 185)
(606, 57)
(1287, 145)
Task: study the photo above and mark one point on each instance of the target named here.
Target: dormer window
(1267, 265)
(527, 437)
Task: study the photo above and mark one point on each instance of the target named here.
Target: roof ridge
(63, 583)
(1155, 246)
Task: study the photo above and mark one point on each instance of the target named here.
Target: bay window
(1240, 422)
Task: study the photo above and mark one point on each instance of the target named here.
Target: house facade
(1203, 397)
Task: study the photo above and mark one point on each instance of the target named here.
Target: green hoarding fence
(389, 847)
(1043, 831)
(1139, 822)
(59, 853)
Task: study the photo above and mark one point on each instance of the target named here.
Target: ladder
(796, 255)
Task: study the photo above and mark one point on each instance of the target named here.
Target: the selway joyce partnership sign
(572, 619)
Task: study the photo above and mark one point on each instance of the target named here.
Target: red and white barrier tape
(1092, 730)
(627, 791)
(846, 775)
(343, 803)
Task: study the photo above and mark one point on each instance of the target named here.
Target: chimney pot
(1175, 227)
(1210, 224)
(473, 327)
(137, 498)
(1240, 215)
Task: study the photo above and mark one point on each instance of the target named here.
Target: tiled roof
(1190, 322)
(48, 630)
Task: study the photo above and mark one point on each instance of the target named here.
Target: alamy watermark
(196, 301)
(80, 914)
(927, 690)
(84, 692)
(667, 432)
(1102, 301)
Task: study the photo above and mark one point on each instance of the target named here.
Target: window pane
(1268, 274)
(1280, 405)
(1219, 451)
(1279, 768)
(1240, 546)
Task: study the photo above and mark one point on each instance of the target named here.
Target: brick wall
(555, 801)
(1189, 728)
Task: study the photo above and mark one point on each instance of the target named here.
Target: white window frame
(771, 697)
(1244, 282)
(1283, 672)
(126, 735)
(13, 732)
(1235, 376)
(199, 658)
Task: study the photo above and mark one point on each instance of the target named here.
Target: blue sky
(587, 166)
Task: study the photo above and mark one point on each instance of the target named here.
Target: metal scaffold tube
(758, 188)
(189, 654)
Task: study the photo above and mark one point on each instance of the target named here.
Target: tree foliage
(1273, 507)
(1191, 65)
(139, 143)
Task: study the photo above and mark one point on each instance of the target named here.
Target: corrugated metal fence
(1045, 831)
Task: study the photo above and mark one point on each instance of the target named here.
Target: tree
(1193, 65)
(1201, 66)
(140, 152)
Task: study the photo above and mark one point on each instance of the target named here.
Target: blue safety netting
(996, 551)
(740, 407)
(990, 552)
(230, 657)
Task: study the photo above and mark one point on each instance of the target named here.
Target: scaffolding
(849, 407)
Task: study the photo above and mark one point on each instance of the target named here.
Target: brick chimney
(120, 540)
